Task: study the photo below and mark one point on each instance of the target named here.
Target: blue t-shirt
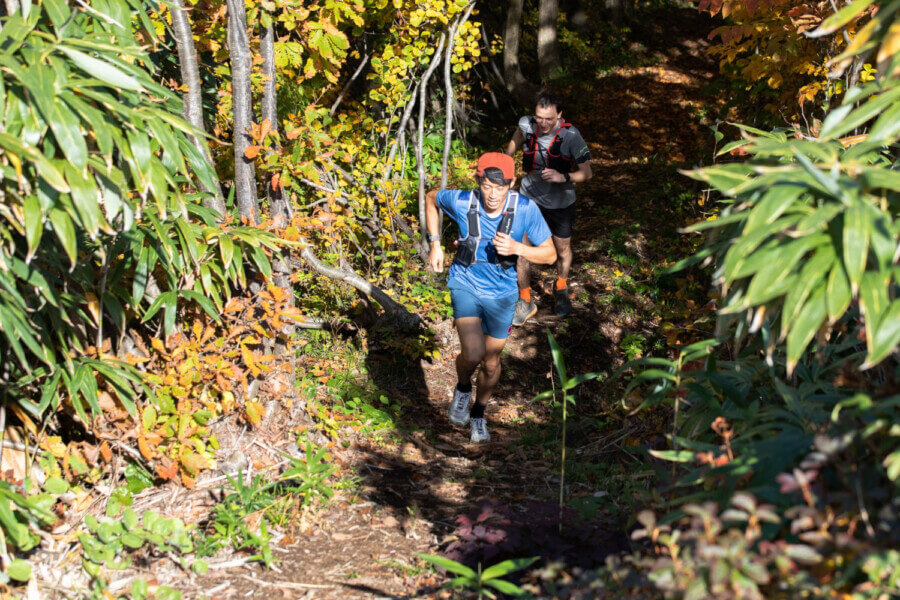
(483, 277)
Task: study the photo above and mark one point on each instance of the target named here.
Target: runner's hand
(552, 175)
(436, 258)
(505, 245)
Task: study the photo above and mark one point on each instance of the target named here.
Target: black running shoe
(563, 305)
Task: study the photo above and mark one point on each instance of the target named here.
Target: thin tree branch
(420, 159)
(397, 311)
(401, 137)
(347, 85)
(450, 96)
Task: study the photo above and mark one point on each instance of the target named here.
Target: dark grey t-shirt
(545, 193)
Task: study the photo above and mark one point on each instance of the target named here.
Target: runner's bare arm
(517, 141)
(583, 174)
(544, 254)
(432, 225)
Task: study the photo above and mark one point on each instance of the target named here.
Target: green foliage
(810, 232)
(107, 544)
(243, 519)
(478, 582)
(20, 511)
(97, 230)
(787, 417)
(108, 538)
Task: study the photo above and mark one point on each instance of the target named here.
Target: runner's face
(493, 194)
(546, 117)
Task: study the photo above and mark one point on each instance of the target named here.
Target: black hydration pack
(467, 247)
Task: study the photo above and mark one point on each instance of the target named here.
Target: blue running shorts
(496, 314)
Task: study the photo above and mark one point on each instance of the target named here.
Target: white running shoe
(480, 433)
(459, 408)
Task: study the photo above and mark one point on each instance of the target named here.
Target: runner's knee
(491, 366)
(472, 355)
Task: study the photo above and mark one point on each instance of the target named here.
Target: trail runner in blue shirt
(482, 279)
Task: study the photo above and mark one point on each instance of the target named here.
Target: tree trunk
(244, 169)
(548, 52)
(279, 205)
(12, 7)
(281, 210)
(512, 70)
(616, 10)
(578, 15)
(193, 101)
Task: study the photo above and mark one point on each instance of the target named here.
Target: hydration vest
(468, 246)
(553, 157)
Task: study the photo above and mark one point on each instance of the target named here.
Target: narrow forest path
(643, 121)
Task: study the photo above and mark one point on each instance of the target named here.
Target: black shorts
(559, 220)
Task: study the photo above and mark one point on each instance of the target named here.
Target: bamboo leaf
(840, 18)
(506, 587)
(169, 314)
(34, 223)
(162, 299)
(99, 125)
(226, 248)
(84, 194)
(102, 70)
(887, 126)
(885, 337)
(64, 229)
(205, 303)
(188, 238)
(63, 122)
(57, 10)
(558, 360)
(837, 293)
(141, 276)
(449, 565)
(681, 456)
(855, 241)
(805, 326)
(773, 204)
(874, 298)
(46, 169)
(833, 127)
(506, 567)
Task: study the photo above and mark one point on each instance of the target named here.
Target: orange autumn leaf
(193, 463)
(170, 472)
(251, 152)
(105, 451)
(145, 449)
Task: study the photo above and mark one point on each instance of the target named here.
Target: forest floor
(404, 489)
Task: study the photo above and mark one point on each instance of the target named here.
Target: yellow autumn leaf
(54, 445)
(255, 412)
(93, 306)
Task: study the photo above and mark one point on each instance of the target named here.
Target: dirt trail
(642, 122)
